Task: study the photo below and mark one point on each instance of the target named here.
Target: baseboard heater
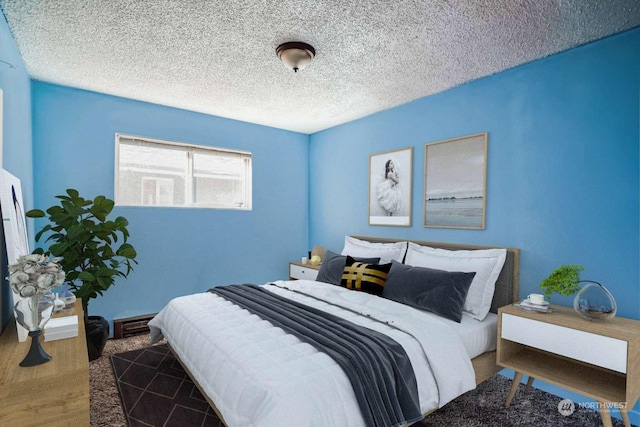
(131, 326)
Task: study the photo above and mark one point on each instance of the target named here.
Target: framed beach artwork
(455, 182)
(14, 227)
(390, 176)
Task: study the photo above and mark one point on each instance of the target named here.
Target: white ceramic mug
(304, 260)
(536, 298)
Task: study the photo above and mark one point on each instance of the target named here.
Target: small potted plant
(564, 280)
(93, 252)
(591, 302)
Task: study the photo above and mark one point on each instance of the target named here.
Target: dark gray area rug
(156, 391)
(484, 407)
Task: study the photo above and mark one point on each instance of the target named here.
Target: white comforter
(258, 375)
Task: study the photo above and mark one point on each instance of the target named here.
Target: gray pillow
(332, 267)
(437, 291)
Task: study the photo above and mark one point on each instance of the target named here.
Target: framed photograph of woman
(455, 182)
(390, 176)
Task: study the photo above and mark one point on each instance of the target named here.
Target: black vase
(97, 329)
(36, 355)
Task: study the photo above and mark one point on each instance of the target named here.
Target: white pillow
(385, 251)
(486, 263)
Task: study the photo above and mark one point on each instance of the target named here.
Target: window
(159, 173)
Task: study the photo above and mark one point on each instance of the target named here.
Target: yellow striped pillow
(365, 277)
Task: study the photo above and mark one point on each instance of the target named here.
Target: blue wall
(16, 147)
(563, 174)
(563, 167)
(181, 251)
(562, 180)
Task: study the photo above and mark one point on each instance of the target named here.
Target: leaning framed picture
(14, 229)
(455, 182)
(390, 176)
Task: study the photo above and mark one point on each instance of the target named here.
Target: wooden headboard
(507, 284)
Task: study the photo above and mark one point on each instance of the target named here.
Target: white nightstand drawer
(599, 350)
(297, 272)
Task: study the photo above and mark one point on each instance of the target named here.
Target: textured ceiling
(218, 57)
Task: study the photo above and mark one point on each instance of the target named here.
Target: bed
(253, 373)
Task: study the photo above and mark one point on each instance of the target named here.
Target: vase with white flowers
(32, 277)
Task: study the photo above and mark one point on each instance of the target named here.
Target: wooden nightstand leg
(527, 389)
(514, 387)
(605, 415)
(625, 417)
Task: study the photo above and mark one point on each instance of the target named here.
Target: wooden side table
(55, 393)
(298, 270)
(600, 360)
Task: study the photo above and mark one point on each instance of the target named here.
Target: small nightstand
(600, 360)
(298, 270)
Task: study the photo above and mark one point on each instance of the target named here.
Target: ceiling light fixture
(295, 55)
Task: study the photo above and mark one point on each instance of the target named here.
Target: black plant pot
(97, 329)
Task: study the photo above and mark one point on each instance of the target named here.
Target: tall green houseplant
(94, 249)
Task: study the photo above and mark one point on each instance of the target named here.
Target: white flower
(46, 281)
(32, 274)
(51, 268)
(27, 262)
(28, 291)
(30, 268)
(35, 258)
(18, 277)
(60, 276)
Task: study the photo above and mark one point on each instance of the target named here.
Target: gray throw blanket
(377, 366)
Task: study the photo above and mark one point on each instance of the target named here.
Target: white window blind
(151, 172)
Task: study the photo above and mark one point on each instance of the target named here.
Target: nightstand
(298, 270)
(600, 360)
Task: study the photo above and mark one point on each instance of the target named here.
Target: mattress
(478, 336)
(257, 375)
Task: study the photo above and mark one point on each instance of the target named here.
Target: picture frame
(390, 187)
(455, 182)
(4, 293)
(14, 229)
